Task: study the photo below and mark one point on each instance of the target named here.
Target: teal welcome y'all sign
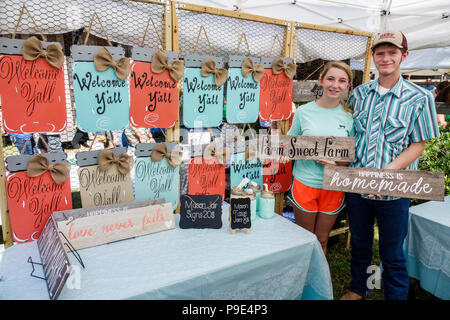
(202, 100)
(101, 98)
(242, 96)
(241, 169)
(156, 179)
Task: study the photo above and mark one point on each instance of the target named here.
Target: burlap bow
(248, 68)
(103, 60)
(289, 69)
(33, 49)
(160, 152)
(209, 67)
(212, 151)
(160, 62)
(39, 164)
(106, 159)
(251, 153)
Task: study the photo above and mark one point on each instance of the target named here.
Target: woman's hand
(326, 162)
(283, 159)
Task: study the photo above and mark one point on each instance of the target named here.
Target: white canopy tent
(426, 23)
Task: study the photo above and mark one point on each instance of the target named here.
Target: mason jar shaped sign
(32, 88)
(206, 177)
(277, 176)
(101, 87)
(36, 186)
(242, 90)
(203, 91)
(277, 84)
(154, 88)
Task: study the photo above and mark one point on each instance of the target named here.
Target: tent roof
(425, 23)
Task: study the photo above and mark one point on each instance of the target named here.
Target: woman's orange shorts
(313, 200)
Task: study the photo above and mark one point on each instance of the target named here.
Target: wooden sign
(101, 98)
(153, 96)
(275, 100)
(201, 211)
(307, 147)
(277, 176)
(202, 98)
(156, 179)
(398, 183)
(240, 214)
(32, 92)
(101, 188)
(32, 200)
(56, 263)
(240, 169)
(242, 93)
(123, 224)
(206, 177)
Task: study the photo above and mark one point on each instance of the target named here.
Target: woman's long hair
(344, 67)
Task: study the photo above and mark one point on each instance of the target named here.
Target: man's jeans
(392, 220)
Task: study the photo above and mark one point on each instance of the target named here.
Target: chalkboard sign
(56, 263)
(201, 211)
(240, 214)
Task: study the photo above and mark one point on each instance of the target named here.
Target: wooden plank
(105, 228)
(442, 107)
(339, 231)
(398, 183)
(299, 25)
(309, 90)
(306, 148)
(368, 60)
(6, 225)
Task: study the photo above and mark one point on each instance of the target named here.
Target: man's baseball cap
(394, 37)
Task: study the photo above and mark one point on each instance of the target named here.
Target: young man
(392, 120)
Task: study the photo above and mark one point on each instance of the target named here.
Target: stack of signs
(103, 187)
(101, 97)
(205, 176)
(240, 214)
(156, 179)
(203, 95)
(201, 211)
(56, 263)
(242, 93)
(245, 164)
(90, 227)
(32, 91)
(31, 200)
(275, 100)
(153, 96)
(277, 176)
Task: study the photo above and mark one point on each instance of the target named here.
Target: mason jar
(267, 205)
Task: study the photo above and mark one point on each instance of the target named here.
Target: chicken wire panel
(124, 21)
(224, 33)
(311, 45)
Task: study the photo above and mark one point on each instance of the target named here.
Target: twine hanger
(24, 8)
(156, 31)
(101, 26)
(207, 39)
(275, 37)
(239, 44)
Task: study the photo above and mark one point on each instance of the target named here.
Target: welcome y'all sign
(307, 148)
(398, 183)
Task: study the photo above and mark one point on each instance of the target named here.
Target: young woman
(316, 209)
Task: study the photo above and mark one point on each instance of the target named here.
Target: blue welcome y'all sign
(101, 98)
(240, 169)
(202, 100)
(156, 179)
(242, 96)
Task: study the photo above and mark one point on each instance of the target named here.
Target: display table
(427, 246)
(277, 260)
